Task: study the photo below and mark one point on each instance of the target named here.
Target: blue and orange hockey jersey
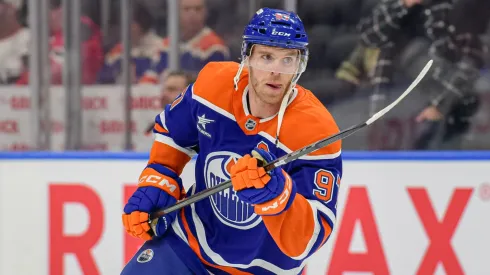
(146, 63)
(151, 58)
(212, 118)
(203, 48)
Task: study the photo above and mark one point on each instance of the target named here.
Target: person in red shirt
(91, 49)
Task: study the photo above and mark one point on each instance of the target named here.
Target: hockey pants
(168, 255)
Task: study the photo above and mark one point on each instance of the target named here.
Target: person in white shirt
(14, 42)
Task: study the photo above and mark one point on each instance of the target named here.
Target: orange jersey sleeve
(309, 221)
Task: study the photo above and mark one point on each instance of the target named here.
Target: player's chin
(273, 97)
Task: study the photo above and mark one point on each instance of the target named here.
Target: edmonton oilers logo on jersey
(229, 209)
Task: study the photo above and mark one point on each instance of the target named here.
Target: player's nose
(275, 74)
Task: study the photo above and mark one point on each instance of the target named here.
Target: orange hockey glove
(270, 193)
(159, 187)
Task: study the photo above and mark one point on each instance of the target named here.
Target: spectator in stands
(174, 83)
(459, 57)
(146, 52)
(199, 43)
(457, 51)
(357, 69)
(14, 42)
(91, 48)
(332, 26)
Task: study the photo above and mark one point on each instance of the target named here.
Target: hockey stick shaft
(296, 154)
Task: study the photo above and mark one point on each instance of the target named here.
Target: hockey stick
(296, 154)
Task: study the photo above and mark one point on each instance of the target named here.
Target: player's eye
(288, 60)
(267, 57)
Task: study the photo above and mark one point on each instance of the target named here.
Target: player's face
(172, 87)
(7, 12)
(136, 32)
(192, 15)
(56, 20)
(271, 71)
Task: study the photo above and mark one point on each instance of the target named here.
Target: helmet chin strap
(242, 65)
(285, 101)
(284, 104)
(282, 110)
(238, 73)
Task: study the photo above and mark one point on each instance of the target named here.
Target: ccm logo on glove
(158, 187)
(155, 179)
(163, 182)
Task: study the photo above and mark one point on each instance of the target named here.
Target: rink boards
(399, 213)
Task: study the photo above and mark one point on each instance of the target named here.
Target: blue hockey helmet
(276, 28)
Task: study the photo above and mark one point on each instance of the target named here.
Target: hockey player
(233, 115)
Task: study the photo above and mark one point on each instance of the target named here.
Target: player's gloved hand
(159, 187)
(270, 193)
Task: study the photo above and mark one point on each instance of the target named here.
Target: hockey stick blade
(296, 154)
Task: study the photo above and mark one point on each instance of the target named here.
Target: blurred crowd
(368, 47)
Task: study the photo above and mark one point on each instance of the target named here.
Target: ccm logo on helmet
(274, 32)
